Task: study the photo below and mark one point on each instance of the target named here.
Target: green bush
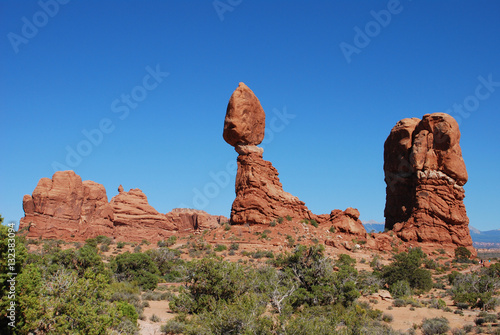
(435, 326)
(400, 289)
(120, 245)
(462, 253)
(476, 290)
(407, 267)
(136, 267)
(128, 311)
(173, 327)
(210, 280)
(220, 247)
(387, 317)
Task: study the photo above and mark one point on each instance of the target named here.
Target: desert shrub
(171, 241)
(167, 261)
(154, 318)
(288, 217)
(462, 253)
(479, 321)
(137, 248)
(489, 318)
(136, 267)
(280, 220)
(234, 246)
(474, 289)
(387, 317)
(435, 326)
(332, 229)
(210, 280)
(430, 264)
(317, 283)
(120, 245)
(173, 327)
(407, 266)
(375, 263)
(368, 282)
(101, 239)
(104, 247)
(345, 259)
(437, 304)
(468, 328)
(314, 223)
(456, 331)
(220, 247)
(272, 223)
(399, 303)
(10, 243)
(400, 289)
(227, 226)
(242, 316)
(65, 303)
(127, 310)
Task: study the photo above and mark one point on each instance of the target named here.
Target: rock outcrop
(425, 174)
(260, 197)
(65, 207)
(259, 194)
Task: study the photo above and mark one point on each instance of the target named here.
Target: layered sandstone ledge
(67, 208)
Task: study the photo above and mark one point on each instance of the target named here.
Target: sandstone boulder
(245, 118)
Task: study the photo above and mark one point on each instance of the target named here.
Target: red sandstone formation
(66, 208)
(425, 174)
(260, 197)
(259, 194)
(245, 119)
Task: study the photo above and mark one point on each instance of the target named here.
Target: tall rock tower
(425, 174)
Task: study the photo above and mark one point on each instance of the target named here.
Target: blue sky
(149, 81)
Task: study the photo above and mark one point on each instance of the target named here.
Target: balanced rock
(259, 194)
(425, 174)
(260, 197)
(245, 118)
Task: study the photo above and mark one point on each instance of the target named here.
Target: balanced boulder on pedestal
(259, 194)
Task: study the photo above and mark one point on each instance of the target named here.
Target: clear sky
(135, 93)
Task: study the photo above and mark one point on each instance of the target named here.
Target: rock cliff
(65, 207)
(425, 174)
